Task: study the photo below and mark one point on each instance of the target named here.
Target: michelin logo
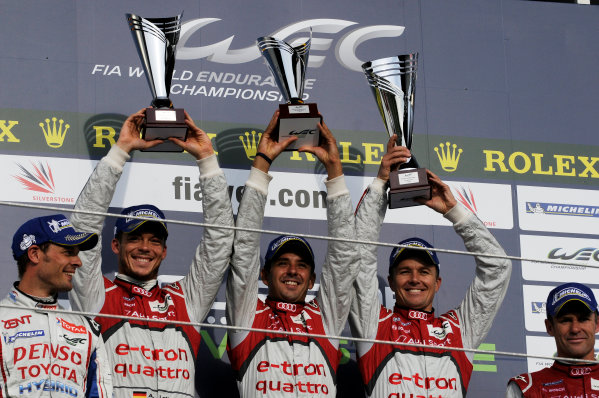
(23, 335)
(571, 291)
(561, 209)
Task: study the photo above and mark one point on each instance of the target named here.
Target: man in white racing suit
(47, 353)
(272, 364)
(152, 359)
(402, 371)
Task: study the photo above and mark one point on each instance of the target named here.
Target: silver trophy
(393, 83)
(288, 67)
(156, 41)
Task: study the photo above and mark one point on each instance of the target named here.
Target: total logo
(322, 28)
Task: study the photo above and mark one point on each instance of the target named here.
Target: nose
(76, 261)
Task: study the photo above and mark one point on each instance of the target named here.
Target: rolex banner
(493, 117)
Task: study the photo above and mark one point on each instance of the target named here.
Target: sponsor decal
(267, 371)
(147, 213)
(417, 315)
(48, 385)
(141, 291)
(580, 371)
(161, 306)
(562, 209)
(58, 225)
(26, 334)
(27, 241)
(73, 340)
(72, 327)
(286, 306)
(440, 332)
(425, 382)
(139, 394)
(539, 307)
(594, 384)
(13, 296)
(54, 134)
(571, 291)
(449, 156)
(14, 322)
(466, 197)
(584, 254)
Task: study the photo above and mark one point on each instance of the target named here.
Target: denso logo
(584, 254)
(345, 49)
(580, 371)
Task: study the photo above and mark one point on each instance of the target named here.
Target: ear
(264, 276)
(596, 323)
(549, 327)
(34, 253)
(439, 280)
(164, 253)
(312, 280)
(391, 282)
(115, 245)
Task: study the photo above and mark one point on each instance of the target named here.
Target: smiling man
(47, 253)
(572, 319)
(414, 276)
(272, 364)
(152, 359)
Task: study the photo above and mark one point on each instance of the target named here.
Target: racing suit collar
(282, 306)
(147, 285)
(409, 313)
(19, 297)
(575, 370)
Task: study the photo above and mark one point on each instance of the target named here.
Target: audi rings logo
(418, 315)
(287, 306)
(580, 371)
(345, 48)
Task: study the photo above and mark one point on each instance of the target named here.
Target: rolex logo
(250, 145)
(54, 134)
(448, 156)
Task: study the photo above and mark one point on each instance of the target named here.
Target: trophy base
(406, 186)
(299, 121)
(161, 124)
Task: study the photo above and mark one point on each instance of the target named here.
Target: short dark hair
(24, 259)
(415, 255)
(151, 227)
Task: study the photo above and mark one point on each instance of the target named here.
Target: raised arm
(212, 256)
(88, 284)
(492, 275)
(341, 263)
(369, 220)
(242, 282)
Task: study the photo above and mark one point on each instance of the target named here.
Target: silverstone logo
(38, 179)
(561, 209)
(345, 48)
(466, 197)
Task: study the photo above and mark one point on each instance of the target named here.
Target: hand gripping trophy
(156, 41)
(288, 67)
(393, 83)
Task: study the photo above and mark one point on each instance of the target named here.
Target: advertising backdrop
(506, 113)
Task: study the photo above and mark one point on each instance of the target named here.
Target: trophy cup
(393, 83)
(156, 41)
(288, 67)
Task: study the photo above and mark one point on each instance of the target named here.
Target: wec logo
(303, 132)
(345, 49)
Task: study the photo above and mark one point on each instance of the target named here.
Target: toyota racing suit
(47, 354)
(561, 380)
(275, 365)
(402, 371)
(150, 358)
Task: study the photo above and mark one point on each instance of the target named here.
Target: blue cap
(289, 244)
(567, 292)
(152, 213)
(400, 253)
(56, 229)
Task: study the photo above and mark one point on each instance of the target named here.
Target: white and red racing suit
(147, 358)
(402, 371)
(561, 380)
(46, 354)
(275, 365)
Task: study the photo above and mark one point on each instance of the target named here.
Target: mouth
(141, 260)
(291, 283)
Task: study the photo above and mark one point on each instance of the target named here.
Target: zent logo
(13, 323)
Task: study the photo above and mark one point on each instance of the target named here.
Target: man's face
(415, 284)
(574, 333)
(56, 268)
(289, 278)
(140, 254)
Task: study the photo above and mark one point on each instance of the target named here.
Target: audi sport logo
(580, 371)
(287, 306)
(418, 315)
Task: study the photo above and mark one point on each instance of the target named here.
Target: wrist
(261, 164)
